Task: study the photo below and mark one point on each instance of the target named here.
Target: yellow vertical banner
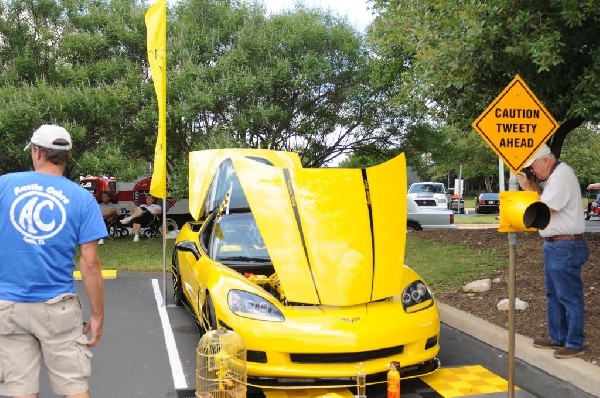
(156, 42)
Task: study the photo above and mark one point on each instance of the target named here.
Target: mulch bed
(529, 283)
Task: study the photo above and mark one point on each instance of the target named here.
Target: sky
(357, 11)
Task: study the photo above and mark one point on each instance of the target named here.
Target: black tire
(172, 225)
(177, 287)
(209, 321)
(477, 210)
(412, 226)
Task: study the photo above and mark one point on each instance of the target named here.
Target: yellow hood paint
(334, 236)
(203, 164)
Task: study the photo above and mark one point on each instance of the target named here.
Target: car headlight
(441, 200)
(251, 306)
(416, 297)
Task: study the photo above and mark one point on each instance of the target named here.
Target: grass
(460, 265)
(480, 219)
(446, 267)
(144, 256)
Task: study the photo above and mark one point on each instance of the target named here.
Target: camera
(529, 174)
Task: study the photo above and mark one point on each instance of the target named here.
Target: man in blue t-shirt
(43, 218)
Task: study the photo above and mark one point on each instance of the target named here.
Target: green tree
(582, 151)
(454, 57)
(80, 64)
(296, 81)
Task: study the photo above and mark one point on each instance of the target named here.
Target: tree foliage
(81, 64)
(454, 57)
(294, 81)
(298, 81)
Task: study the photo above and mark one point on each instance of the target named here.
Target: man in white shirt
(142, 216)
(565, 252)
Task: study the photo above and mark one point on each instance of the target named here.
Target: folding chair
(153, 229)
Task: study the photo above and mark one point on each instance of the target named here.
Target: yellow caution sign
(515, 125)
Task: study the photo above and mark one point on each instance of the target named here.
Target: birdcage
(221, 365)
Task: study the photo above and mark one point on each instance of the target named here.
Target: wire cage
(221, 365)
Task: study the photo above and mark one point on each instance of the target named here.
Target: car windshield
(236, 238)
(431, 188)
(489, 196)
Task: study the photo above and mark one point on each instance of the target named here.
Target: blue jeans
(564, 291)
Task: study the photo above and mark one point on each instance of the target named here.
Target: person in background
(43, 218)
(596, 203)
(565, 252)
(109, 210)
(142, 216)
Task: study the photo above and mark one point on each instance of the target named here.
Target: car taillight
(451, 219)
(481, 202)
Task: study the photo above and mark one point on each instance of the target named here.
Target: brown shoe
(566, 352)
(545, 343)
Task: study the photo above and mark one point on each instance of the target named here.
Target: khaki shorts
(52, 331)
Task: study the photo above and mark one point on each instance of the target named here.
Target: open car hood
(335, 236)
(203, 164)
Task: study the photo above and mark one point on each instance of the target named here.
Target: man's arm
(157, 210)
(527, 184)
(91, 273)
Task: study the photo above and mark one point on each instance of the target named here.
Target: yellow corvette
(306, 265)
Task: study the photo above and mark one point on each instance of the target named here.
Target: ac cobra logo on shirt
(38, 216)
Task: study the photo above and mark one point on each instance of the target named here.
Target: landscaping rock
(519, 304)
(482, 285)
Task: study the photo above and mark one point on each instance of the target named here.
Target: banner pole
(164, 250)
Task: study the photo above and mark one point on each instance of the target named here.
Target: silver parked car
(419, 217)
(429, 194)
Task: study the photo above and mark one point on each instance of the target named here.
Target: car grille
(426, 202)
(347, 357)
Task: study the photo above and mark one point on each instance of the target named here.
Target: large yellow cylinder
(522, 211)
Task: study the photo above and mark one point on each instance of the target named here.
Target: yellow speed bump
(106, 274)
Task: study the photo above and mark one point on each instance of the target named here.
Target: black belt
(557, 238)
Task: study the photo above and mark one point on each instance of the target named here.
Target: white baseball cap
(51, 136)
(543, 151)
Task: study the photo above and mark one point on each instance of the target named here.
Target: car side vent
(349, 357)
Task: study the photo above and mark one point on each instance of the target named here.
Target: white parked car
(419, 218)
(429, 194)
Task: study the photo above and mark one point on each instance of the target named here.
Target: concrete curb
(576, 371)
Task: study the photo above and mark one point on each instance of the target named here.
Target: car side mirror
(190, 247)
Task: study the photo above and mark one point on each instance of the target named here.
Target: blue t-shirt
(42, 220)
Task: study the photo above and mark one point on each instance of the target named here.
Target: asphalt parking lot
(149, 350)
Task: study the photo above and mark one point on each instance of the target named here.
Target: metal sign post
(514, 125)
(512, 294)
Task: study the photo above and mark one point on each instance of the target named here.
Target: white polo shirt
(561, 193)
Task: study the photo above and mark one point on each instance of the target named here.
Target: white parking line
(174, 360)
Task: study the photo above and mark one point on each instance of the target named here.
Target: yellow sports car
(306, 265)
